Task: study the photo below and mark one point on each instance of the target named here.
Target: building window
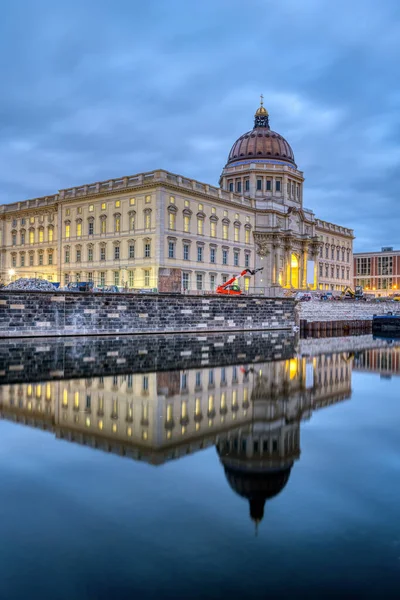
(363, 266)
(326, 252)
(172, 199)
(13, 261)
(212, 282)
(332, 272)
(147, 278)
(78, 229)
(321, 270)
(320, 252)
(259, 185)
(132, 222)
(22, 260)
(116, 277)
(247, 236)
(103, 206)
(186, 224)
(67, 256)
(91, 207)
(187, 203)
(32, 219)
(185, 251)
(103, 226)
(213, 229)
(337, 254)
(172, 220)
(385, 265)
(41, 259)
(102, 253)
(147, 250)
(14, 239)
(102, 278)
(131, 279)
(236, 259)
(185, 281)
(131, 250)
(268, 186)
(90, 254)
(116, 252)
(231, 186)
(78, 255)
(199, 254)
(14, 222)
(117, 224)
(50, 258)
(247, 185)
(332, 254)
(326, 271)
(247, 260)
(236, 234)
(224, 257)
(200, 226)
(337, 272)
(31, 259)
(147, 220)
(238, 186)
(132, 201)
(288, 187)
(342, 272)
(117, 203)
(298, 190)
(343, 255)
(212, 255)
(23, 239)
(148, 199)
(41, 235)
(79, 210)
(225, 232)
(199, 281)
(171, 250)
(66, 282)
(277, 185)
(91, 228)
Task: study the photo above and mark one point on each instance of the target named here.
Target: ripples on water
(220, 466)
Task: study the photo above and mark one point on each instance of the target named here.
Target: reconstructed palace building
(123, 231)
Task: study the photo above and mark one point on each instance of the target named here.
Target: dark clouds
(93, 89)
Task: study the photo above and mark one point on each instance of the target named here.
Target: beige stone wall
(335, 260)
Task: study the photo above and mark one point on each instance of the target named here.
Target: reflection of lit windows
(145, 383)
(197, 407)
(169, 412)
(65, 398)
(129, 431)
(114, 428)
(38, 391)
(198, 379)
(76, 400)
(100, 424)
(87, 421)
(144, 435)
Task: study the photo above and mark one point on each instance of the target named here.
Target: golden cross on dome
(261, 100)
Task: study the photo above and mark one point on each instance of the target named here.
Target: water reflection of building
(252, 415)
(385, 360)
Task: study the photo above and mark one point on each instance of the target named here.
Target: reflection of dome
(257, 486)
(261, 142)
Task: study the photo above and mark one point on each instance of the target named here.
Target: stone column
(288, 266)
(303, 282)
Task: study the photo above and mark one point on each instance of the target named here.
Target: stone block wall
(66, 358)
(36, 314)
(345, 310)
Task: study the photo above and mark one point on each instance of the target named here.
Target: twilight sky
(98, 89)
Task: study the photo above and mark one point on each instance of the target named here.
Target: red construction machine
(231, 288)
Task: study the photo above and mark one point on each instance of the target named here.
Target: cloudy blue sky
(95, 89)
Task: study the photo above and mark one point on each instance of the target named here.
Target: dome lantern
(261, 118)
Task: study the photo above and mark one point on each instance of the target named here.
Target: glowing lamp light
(11, 272)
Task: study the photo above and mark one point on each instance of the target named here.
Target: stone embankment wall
(66, 358)
(354, 343)
(344, 311)
(47, 314)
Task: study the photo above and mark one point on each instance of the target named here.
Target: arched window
(147, 218)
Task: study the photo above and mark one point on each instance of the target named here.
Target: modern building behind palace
(378, 272)
(125, 230)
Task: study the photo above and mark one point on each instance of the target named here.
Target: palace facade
(123, 231)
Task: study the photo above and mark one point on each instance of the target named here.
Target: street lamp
(11, 273)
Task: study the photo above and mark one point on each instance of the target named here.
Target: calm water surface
(250, 480)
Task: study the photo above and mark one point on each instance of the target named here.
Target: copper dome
(261, 143)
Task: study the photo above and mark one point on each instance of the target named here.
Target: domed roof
(257, 486)
(261, 142)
